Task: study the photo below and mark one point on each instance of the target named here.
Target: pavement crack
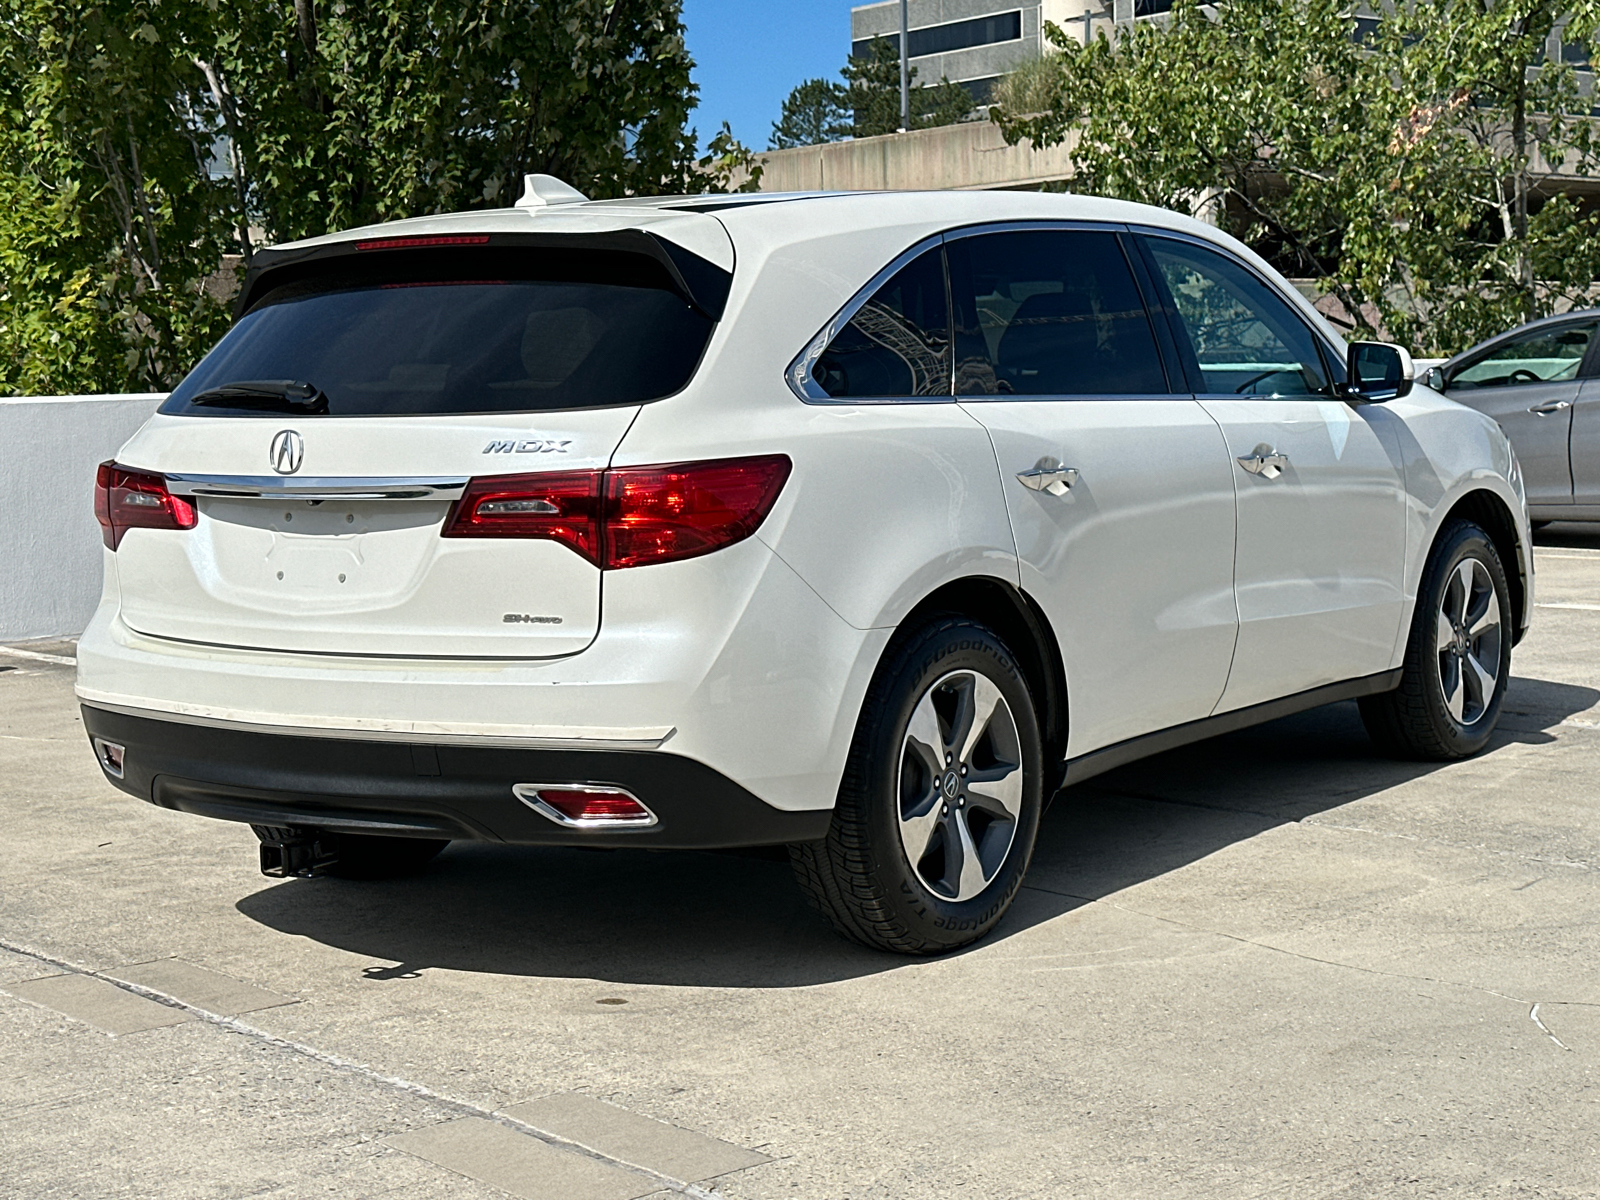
(458, 1107)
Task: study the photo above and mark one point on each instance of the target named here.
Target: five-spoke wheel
(960, 785)
(940, 802)
(1468, 631)
(1458, 655)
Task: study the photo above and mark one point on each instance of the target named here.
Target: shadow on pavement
(728, 920)
(1574, 535)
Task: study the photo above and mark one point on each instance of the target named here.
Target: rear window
(462, 331)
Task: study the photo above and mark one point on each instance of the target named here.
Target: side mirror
(1434, 378)
(1376, 372)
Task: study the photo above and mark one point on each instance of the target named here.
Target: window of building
(956, 35)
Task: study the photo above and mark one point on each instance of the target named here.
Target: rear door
(1320, 559)
(326, 525)
(1118, 489)
(1530, 385)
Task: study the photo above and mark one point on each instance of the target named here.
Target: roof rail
(543, 191)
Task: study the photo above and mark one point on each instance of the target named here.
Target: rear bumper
(426, 790)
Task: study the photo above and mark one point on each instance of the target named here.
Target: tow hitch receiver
(289, 851)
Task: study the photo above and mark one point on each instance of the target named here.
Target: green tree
(367, 110)
(815, 112)
(110, 222)
(872, 94)
(116, 214)
(1406, 166)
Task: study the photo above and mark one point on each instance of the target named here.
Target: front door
(1118, 489)
(1319, 566)
(1529, 384)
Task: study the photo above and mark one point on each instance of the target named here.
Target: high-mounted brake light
(126, 499)
(406, 243)
(630, 516)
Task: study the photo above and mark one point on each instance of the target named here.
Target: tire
(355, 855)
(895, 871)
(1446, 707)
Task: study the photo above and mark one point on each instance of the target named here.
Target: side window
(1246, 339)
(898, 342)
(1050, 313)
(1545, 356)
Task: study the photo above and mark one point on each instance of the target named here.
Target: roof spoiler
(701, 282)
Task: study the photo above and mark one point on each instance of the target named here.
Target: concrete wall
(969, 155)
(49, 540)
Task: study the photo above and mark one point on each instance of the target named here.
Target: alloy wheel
(1468, 641)
(960, 785)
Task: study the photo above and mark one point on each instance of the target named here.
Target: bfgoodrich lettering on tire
(941, 796)
(1458, 656)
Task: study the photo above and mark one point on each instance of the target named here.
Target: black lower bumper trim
(431, 791)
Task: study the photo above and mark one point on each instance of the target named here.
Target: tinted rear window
(484, 331)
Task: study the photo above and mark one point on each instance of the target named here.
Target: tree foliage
(118, 209)
(867, 103)
(1406, 163)
(815, 112)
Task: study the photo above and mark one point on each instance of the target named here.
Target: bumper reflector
(586, 805)
(110, 755)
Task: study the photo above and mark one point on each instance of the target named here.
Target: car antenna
(545, 191)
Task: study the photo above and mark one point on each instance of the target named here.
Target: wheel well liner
(1024, 628)
(1488, 510)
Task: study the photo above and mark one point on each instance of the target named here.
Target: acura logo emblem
(288, 449)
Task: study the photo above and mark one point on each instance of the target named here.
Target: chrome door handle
(1048, 475)
(1265, 462)
(1552, 406)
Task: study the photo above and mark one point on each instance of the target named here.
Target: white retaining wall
(49, 540)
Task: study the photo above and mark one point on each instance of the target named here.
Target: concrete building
(974, 42)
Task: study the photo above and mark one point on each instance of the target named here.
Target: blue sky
(749, 55)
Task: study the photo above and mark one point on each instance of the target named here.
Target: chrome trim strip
(560, 818)
(506, 741)
(275, 487)
(966, 231)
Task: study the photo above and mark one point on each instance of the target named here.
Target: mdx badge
(287, 453)
(530, 446)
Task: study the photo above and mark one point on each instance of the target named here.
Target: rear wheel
(940, 801)
(300, 850)
(1458, 656)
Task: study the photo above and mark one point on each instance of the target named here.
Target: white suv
(858, 523)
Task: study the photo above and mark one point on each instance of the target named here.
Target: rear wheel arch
(1022, 625)
(1486, 509)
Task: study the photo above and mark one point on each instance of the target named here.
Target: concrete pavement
(1272, 964)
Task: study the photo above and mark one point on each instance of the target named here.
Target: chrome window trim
(1068, 397)
(798, 373)
(278, 487)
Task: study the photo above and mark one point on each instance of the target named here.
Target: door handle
(1048, 475)
(1550, 406)
(1264, 461)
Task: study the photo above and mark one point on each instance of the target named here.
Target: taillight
(660, 514)
(562, 506)
(630, 516)
(125, 500)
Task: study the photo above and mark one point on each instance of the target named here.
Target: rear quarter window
(490, 330)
